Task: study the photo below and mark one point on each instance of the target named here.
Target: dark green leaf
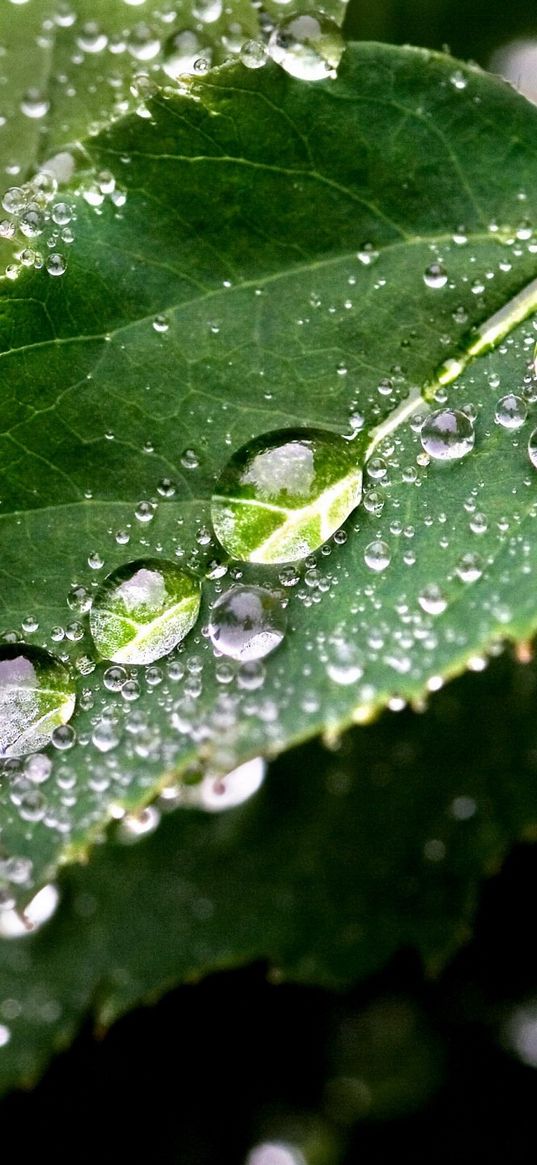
(340, 860)
(234, 293)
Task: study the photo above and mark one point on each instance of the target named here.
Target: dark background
(216, 1068)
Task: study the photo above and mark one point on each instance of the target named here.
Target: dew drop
(32, 221)
(432, 600)
(91, 39)
(166, 487)
(143, 610)
(344, 664)
(34, 104)
(64, 737)
(215, 794)
(37, 695)
(511, 412)
(189, 459)
(247, 623)
(144, 512)
(143, 43)
(283, 495)
(14, 200)
(447, 435)
(61, 214)
(114, 678)
(105, 736)
(469, 567)
(161, 324)
(458, 80)
(207, 10)
(133, 826)
(309, 46)
(377, 556)
(367, 254)
(435, 276)
(253, 54)
(56, 264)
(479, 523)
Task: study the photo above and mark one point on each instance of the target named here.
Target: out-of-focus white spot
(275, 1153)
(517, 62)
(15, 925)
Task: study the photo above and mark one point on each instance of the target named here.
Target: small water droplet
(160, 324)
(435, 276)
(56, 264)
(469, 567)
(34, 104)
(253, 54)
(377, 555)
(458, 80)
(189, 459)
(511, 412)
(432, 600)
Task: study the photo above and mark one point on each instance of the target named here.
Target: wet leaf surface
(340, 860)
(283, 253)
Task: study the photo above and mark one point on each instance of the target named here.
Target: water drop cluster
(280, 498)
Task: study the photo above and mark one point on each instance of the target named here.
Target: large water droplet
(447, 435)
(309, 47)
(247, 622)
(37, 695)
(143, 610)
(284, 494)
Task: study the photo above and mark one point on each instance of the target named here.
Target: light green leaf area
(142, 611)
(81, 58)
(227, 298)
(256, 520)
(37, 695)
(338, 861)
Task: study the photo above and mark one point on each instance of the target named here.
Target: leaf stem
(486, 337)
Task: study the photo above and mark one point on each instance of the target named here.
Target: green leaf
(81, 59)
(341, 859)
(234, 293)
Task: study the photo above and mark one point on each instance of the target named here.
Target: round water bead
(511, 411)
(143, 610)
(284, 494)
(309, 47)
(447, 435)
(435, 276)
(247, 622)
(37, 696)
